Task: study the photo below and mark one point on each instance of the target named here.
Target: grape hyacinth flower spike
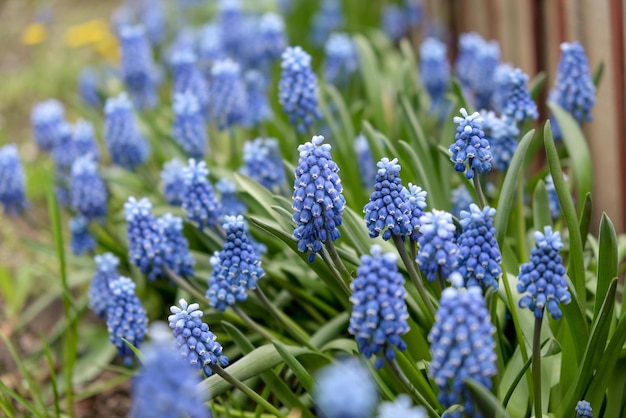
(188, 79)
(366, 163)
(318, 201)
(328, 19)
(193, 338)
(173, 182)
(416, 202)
(435, 71)
(137, 66)
(236, 268)
(272, 37)
(189, 130)
(128, 148)
(341, 59)
(81, 240)
(501, 133)
(231, 205)
(199, 201)
(99, 291)
(517, 103)
(583, 410)
(379, 314)
(88, 193)
(470, 152)
(12, 180)
(479, 253)
(298, 88)
(402, 407)
(542, 280)
(126, 318)
(387, 211)
(258, 108)
(228, 94)
(264, 163)
(438, 254)
(462, 345)
(176, 255)
(48, 122)
(345, 389)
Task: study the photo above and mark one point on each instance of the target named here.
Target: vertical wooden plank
(524, 53)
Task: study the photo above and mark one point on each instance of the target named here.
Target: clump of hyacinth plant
(12, 180)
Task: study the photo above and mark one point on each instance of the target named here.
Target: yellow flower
(87, 33)
(35, 33)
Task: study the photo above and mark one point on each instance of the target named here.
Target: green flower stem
(413, 246)
(247, 390)
(537, 366)
(291, 326)
(335, 273)
(185, 284)
(417, 397)
(425, 302)
(479, 191)
(521, 224)
(219, 230)
(332, 251)
(252, 324)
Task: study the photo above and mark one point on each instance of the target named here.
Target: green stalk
(479, 191)
(341, 268)
(409, 386)
(247, 390)
(521, 224)
(252, 324)
(335, 273)
(184, 284)
(537, 366)
(427, 306)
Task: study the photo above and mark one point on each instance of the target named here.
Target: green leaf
(598, 73)
(370, 72)
(615, 391)
(306, 380)
(584, 221)
(593, 353)
(607, 260)
(486, 402)
(457, 91)
(509, 187)
(537, 84)
(541, 207)
(577, 149)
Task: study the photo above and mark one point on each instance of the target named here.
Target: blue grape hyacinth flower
(89, 86)
(461, 200)
(125, 317)
(366, 163)
(438, 252)
(173, 182)
(401, 407)
(78, 141)
(137, 66)
(574, 90)
(188, 79)
(297, 89)
(81, 240)
(128, 148)
(12, 180)
(48, 122)
(476, 65)
(479, 253)
(501, 133)
(471, 153)
(517, 103)
(189, 130)
(193, 338)
(379, 314)
(199, 201)
(387, 210)
(583, 410)
(328, 19)
(394, 21)
(434, 69)
(166, 386)
(263, 162)
(542, 280)
(318, 201)
(210, 48)
(99, 291)
(228, 94)
(258, 108)
(416, 202)
(553, 197)
(272, 37)
(231, 204)
(176, 256)
(462, 346)
(341, 59)
(88, 192)
(146, 242)
(236, 268)
(231, 21)
(345, 389)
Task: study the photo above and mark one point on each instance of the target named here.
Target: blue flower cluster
(574, 90)
(318, 201)
(501, 133)
(176, 255)
(541, 280)
(235, 269)
(415, 199)
(48, 122)
(328, 19)
(188, 79)
(188, 128)
(231, 205)
(12, 180)
(345, 389)
(516, 100)
(583, 410)
(379, 314)
(258, 108)
(125, 316)
(128, 148)
(199, 201)
(88, 193)
(173, 181)
(264, 163)
(366, 163)
(476, 65)
(438, 251)
(462, 346)
(166, 386)
(146, 243)
(388, 209)
(81, 240)
(435, 70)
(479, 253)
(341, 59)
(137, 66)
(210, 48)
(461, 200)
(553, 197)
(193, 338)
(298, 88)
(272, 37)
(88, 87)
(99, 291)
(470, 152)
(401, 407)
(231, 23)
(394, 21)
(228, 94)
